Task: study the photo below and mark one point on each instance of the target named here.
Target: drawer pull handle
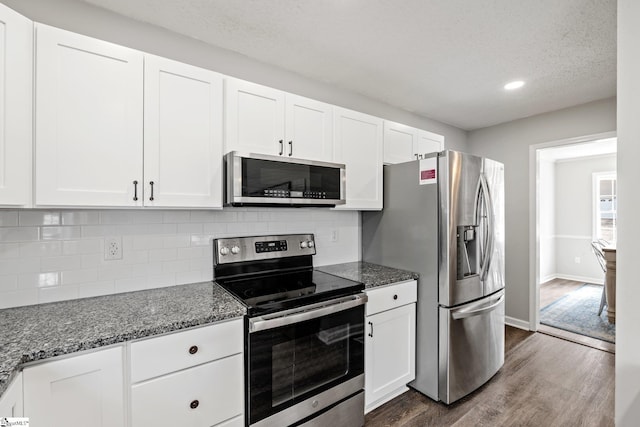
(194, 404)
(395, 297)
(371, 333)
(193, 350)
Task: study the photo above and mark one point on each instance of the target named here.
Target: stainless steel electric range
(304, 340)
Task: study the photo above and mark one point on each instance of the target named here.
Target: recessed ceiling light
(517, 84)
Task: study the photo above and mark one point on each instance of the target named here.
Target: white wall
(628, 289)
(574, 217)
(547, 207)
(509, 143)
(83, 18)
(58, 255)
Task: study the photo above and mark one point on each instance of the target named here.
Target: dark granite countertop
(38, 332)
(371, 275)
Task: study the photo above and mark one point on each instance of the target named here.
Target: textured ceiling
(443, 59)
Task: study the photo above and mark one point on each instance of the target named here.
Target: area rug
(578, 312)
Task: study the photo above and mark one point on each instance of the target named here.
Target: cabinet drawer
(158, 356)
(201, 396)
(392, 296)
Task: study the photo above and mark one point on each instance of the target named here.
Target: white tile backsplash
(53, 255)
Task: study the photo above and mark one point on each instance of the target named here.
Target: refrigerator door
(493, 178)
(461, 257)
(471, 342)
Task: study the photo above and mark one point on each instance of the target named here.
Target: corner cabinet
(260, 119)
(358, 144)
(16, 109)
(404, 143)
(390, 337)
(79, 391)
(94, 99)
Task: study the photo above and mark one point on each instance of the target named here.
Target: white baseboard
(391, 395)
(594, 280)
(548, 278)
(517, 323)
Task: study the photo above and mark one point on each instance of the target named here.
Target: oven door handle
(297, 315)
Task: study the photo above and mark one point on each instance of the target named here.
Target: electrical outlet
(112, 248)
(577, 260)
(334, 235)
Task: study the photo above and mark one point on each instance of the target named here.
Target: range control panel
(240, 249)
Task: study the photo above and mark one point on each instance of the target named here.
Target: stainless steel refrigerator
(443, 217)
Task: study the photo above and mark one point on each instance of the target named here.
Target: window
(605, 191)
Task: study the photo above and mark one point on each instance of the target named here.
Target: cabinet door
(88, 121)
(16, 110)
(11, 402)
(79, 391)
(389, 353)
(197, 397)
(182, 135)
(254, 118)
(400, 142)
(309, 132)
(429, 142)
(358, 144)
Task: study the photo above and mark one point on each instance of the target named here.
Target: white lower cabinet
(390, 342)
(80, 391)
(191, 378)
(11, 402)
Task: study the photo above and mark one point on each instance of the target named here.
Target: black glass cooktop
(267, 293)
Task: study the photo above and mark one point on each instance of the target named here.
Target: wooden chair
(597, 246)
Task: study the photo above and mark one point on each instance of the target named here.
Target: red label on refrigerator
(428, 174)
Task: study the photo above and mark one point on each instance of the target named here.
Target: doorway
(572, 209)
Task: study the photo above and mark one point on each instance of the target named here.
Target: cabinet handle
(194, 404)
(290, 148)
(395, 297)
(371, 327)
(193, 349)
(135, 191)
(420, 156)
(281, 147)
(151, 184)
(416, 156)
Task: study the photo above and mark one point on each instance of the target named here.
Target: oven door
(302, 361)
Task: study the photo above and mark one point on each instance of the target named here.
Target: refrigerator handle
(478, 312)
(488, 249)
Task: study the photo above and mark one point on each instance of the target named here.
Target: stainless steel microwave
(263, 180)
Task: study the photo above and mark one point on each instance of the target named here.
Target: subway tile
(116, 217)
(8, 283)
(194, 228)
(19, 298)
(19, 234)
(39, 280)
(8, 219)
(9, 250)
(162, 280)
(83, 246)
(131, 284)
(98, 230)
(201, 240)
(114, 272)
(33, 217)
(60, 233)
(81, 218)
(96, 289)
(92, 260)
(148, 242)
(57, 293)
(40, 249)
(162, 229)
(203, 216)
(175, 266)
(79, 276)
(162, 254)
(186, 277)
(60, 263)
(215, 227)
(177, 241)
(176, 216)
(20, 265)
(148, 217)
(226, 215)
(136, 257)
(190, 252)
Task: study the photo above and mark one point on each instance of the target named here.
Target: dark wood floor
(545, 381)
(554, 290)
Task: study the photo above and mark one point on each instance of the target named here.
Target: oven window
(267, 178)
(291, 363)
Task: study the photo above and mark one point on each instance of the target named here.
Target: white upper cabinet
(89, 121)
(264, 120)
(16, 109)
(429, 142)
(182, 135)
(309, 129)
(358, 144)
(404, 143)
(254, 118)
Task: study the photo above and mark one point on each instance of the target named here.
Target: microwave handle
(308, 312)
